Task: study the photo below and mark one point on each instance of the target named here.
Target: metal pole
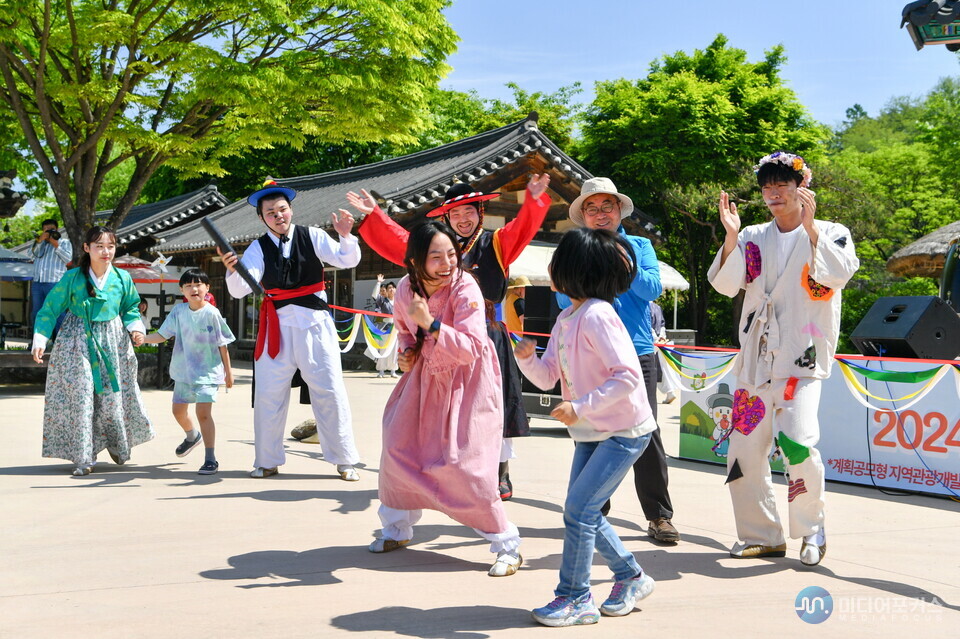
(674, 309)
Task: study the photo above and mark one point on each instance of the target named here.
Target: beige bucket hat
(592, 187)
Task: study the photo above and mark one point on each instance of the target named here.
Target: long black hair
(94, 234)
(593, 263)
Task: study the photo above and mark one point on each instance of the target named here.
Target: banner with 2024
(892, 423)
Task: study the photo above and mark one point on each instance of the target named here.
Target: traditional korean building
(407, 188)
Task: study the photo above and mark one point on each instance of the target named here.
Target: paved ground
(152, 549)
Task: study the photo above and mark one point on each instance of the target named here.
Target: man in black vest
(296, 330)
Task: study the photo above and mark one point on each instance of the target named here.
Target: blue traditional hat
(270, 187)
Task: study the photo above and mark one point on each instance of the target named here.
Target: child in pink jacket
(606, 409)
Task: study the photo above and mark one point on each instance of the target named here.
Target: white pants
(398, 526)
(670, 379)
(388, 363)
(754, 506)
(313, 350)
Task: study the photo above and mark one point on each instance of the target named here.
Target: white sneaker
(348, 473)
(670, 398)
(813, 549)
(506, 564)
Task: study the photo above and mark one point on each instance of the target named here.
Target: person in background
(600, 206)
(383, 303)
(514, 307)
(667, 381)
(51, 253)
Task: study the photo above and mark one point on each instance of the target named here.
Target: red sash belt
(270, 322)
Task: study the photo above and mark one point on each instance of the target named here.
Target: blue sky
(838, 53)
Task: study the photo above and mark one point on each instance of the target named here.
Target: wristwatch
(435, 326)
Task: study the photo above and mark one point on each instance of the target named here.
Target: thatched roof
(925, 257)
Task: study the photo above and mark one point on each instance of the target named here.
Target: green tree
(95, 85)
(694, 123)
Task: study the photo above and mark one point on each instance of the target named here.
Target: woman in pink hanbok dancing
(442, 423)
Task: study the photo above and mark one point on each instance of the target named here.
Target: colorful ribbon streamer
(859, 391)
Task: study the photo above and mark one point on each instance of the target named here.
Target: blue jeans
(38, 293)
(598, 468)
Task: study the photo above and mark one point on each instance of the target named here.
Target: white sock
(192, 434)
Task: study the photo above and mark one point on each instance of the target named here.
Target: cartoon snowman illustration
(720, 409)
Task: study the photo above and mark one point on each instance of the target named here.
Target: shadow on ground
(453, 622)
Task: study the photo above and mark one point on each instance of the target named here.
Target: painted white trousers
(314, 351)
(754, 506)
(398, 525)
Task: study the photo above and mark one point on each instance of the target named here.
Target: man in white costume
(296, 330)
(792, 269)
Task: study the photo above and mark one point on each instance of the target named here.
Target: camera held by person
(53, 234)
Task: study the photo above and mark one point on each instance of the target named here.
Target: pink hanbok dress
(443, 423)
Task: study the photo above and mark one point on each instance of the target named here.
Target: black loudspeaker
(540, 312)
(921, 327)
(950, 277)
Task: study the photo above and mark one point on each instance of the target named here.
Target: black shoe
(186, 445)
(506, 488)
(209, 468)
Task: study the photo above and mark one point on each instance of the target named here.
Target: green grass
(696, 447)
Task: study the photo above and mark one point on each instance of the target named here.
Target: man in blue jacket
(600, 206)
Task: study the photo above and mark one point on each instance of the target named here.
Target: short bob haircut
(193, 275)
(418, 245)
(773, 172)
(593, 263)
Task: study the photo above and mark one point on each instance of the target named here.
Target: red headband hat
(461, 193)
(270, 187)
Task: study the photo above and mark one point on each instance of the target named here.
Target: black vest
(302, 268)
(483, 263)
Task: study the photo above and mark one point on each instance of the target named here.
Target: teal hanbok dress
(92, 398)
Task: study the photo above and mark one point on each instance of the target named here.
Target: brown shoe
(755, 551)
(662, 530)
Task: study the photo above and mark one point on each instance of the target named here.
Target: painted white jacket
(790, 324)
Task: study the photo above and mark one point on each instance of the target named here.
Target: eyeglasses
(606, 207)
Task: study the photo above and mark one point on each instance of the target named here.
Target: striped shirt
(50, 263)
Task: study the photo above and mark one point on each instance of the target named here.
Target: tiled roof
(411, 185)
(146, 220)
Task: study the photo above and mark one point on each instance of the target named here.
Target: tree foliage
(695, 123)
(95, 85)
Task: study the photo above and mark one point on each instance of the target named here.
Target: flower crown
(795, 162)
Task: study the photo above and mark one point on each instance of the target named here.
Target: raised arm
(510, 240)
(387, 238)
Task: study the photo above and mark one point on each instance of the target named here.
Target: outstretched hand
(808, 200)
(363, 202)
(728, 215)
(344, 223)
(538, 184)
(525, 348)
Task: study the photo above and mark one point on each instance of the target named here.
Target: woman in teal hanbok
(92, 398)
